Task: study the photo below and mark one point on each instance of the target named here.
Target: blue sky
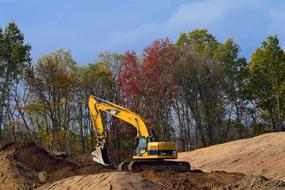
(89, 27)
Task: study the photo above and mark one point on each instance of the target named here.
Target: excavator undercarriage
(101, 156)
(160, 165)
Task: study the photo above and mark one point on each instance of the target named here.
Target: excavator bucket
(100, 155)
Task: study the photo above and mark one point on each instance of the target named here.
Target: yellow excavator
(150, 153)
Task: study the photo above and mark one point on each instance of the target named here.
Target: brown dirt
(102, 181)
(27, 165)
(262, 155)
(40, 160)
(16, 175)
(256, 183)
(150, 179)
(192, 180)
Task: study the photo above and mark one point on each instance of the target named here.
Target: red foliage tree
(156, 68)
(145, 86)
(158, 61)
(129, 80)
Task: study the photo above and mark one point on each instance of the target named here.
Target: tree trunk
(3, 98)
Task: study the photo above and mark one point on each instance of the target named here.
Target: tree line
(197, 91)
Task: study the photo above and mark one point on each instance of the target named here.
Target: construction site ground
(254, 163)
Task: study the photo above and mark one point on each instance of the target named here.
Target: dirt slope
(256, 183)
(195, 180)
(26, 166)
(16, 175)
(110, 180)
(149, 179)
(261, 155)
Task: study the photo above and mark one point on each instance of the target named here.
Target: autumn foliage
(145, 83)
(129, 80)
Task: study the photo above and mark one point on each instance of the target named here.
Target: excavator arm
(96, 106)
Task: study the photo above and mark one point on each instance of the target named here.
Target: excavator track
(160, 165)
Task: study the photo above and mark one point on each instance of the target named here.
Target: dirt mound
(261, 155)
(150, 179)
(27, 165)
(87, 165)
(193, 180)
(16, 175)
(40, 160)
(198, 180)
(113, 180)
(256, 183)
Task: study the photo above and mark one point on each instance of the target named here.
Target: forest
(196, 91)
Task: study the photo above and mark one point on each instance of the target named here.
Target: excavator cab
(142, 146)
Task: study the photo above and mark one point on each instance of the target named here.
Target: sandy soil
(149, 179)
(261, 155)
(197, 180)
(103, 181)
(256, 183)
(16, 175)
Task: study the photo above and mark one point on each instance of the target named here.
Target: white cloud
(187, 17)
(242, 19)
(200, 12)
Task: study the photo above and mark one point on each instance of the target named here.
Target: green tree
(234, 82)
(94, 79)
(14, 59)
(200, 76)
(52, 84)
(267, 69)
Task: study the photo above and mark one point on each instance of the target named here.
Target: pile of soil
(26, 166)
(150, 179)
(262, 155)
(256, 183)
(104, 181)
(197, 180)
(87, 165)
(39, 160)
(16, 175)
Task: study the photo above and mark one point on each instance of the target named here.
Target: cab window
(141, 149)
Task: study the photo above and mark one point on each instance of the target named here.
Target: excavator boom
(96, 105)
